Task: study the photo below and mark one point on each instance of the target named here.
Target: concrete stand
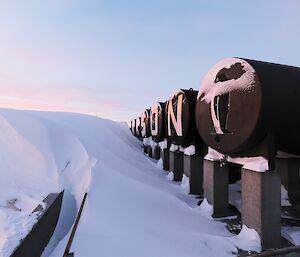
(149, 151)
(261, 206)
(176, 165)
(164, 155)
(156, 153)
(215, 187)
(193, 168)
(145, 149)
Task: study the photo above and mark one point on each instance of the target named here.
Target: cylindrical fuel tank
(157, 121)
(243, 102)
(145, 123)
(138, 129)
(180, 117)
(130, 126)
(133, 127)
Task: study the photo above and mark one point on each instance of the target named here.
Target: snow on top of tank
(212, 86)
(175, 93)
(156, 106)
(138, 121)
(145, 114)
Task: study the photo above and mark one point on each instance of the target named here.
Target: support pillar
(176, 165)
(215, 187)
(156, 153)
(193, 168)
(164, 154)
(261, 205)
(149, 150)
(145, 149)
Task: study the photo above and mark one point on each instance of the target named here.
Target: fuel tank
(145, 123)
(244, 104)
(157, 122)
(180, 118)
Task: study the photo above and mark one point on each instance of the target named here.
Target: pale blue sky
(115, 58)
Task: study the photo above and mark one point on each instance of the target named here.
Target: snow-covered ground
(132, 209)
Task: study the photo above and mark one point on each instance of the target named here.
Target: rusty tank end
(250, 108)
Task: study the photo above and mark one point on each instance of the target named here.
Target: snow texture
(210, 89)
(248, 239)
(292, 234)
(259, 164)
(149, 141)
(132, 210)
(175, 148)
(191, 150)
(163, 144)
(185, 184)
(38, 156)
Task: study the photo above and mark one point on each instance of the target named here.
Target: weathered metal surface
(34, 243)
(249, 108)
(180, 117)
(157, 122)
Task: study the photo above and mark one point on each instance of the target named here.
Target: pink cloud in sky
(63, 100)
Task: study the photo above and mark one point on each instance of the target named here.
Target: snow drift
(132, 208)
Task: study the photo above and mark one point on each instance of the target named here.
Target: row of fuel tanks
(243, 124)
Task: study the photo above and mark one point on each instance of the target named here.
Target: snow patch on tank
(226, 76)
(259, 163)
(211, 87)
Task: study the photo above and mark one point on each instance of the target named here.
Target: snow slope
(132, 208)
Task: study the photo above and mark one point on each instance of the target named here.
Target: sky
(115, 58)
